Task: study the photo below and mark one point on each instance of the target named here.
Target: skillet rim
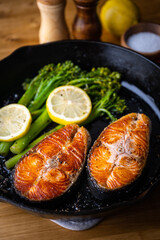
(76, 41)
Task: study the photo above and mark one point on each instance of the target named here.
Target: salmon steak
(50, 168)
(119, 154)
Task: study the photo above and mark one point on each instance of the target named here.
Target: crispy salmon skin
(49, 169)
(119, 154)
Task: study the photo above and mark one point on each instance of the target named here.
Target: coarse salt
(144, 42)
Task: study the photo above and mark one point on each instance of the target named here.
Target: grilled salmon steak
(119, 154)
(50, 168)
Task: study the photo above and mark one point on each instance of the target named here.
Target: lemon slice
(68, 104)
(15, 120)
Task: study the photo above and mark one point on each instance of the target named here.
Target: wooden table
(19, 26)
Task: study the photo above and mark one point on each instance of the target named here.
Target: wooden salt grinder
(86, 24)
(53, 26)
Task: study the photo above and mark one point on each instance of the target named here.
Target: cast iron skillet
(141, 90)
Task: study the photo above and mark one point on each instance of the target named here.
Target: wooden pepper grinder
(86, 24)
(53, 26)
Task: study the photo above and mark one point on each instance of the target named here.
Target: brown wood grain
(19, 26)
(86, 22)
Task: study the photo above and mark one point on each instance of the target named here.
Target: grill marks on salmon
(119, 155)
(52, 166)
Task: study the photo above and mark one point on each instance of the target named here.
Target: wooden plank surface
(19, 26)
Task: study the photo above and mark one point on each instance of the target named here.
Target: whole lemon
(118, 15)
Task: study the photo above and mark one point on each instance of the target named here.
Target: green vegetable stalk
(34, 84)
(38, 125)
(5, 148)
(110, 102)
